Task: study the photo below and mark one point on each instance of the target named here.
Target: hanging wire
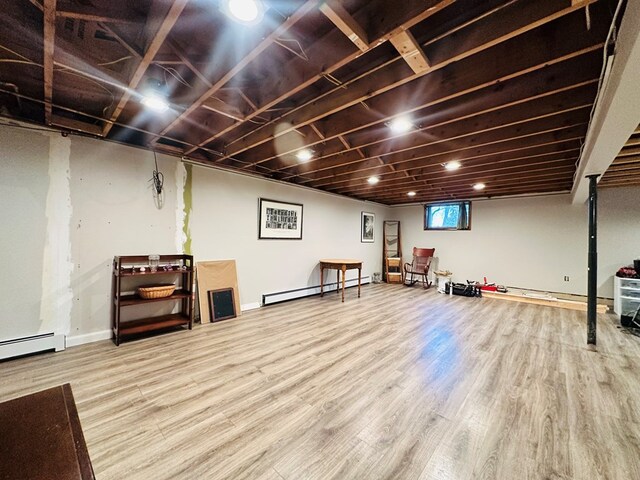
(298, 53)
(158, 181)
(174, 73)
(18, 55)
(115, 61)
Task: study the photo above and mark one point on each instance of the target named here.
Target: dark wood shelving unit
(128, 267)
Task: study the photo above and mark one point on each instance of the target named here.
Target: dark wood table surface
(41, 438)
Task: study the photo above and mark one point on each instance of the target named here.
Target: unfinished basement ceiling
(503, 87)
(625, 169)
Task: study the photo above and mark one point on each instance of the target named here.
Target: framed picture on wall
(279, 220)
(367, 227)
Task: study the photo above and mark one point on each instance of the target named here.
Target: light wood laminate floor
(400, 384)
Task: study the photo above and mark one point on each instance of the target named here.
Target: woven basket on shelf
(156, 291)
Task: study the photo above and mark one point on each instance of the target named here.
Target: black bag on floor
(467, 290)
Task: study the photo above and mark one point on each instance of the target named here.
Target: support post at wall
(593, 260)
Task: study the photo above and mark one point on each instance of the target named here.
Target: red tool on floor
(490, 287)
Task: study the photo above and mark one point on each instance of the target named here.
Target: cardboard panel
(216, 275)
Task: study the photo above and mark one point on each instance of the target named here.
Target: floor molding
(75, 340)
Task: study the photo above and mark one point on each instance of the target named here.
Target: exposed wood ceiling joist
(240, 65)
(158, 38)
(503, 86)
(342, 19)
(387, 79)
(411, 51)
(616, 115)
(49, 21)
(325, 63)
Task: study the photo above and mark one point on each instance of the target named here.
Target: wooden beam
(115, 33)
(388, 78)
(408, 14)
(392, 184)
(69, 57)
(442, 154)
(156, 42)
(90, 15)
(556, 75)
(627, 152)
(76, 125)
(436, 174)
(246, 60)
(491, 113)
(216, 105)
(467, 193)
(547, 302)
(523, 131)
(37, 4)
(49, 20)
(342, 19)
(412, 53)
(471, 195)
(626, 161)
(483, 167)
(563, 171)
(185, 60)
(317, 131)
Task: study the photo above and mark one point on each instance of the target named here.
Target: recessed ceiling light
(411, 193)
(452, 165)
(400, 125)
(155, 102)
(304, 155)
(373, 180)
(479, 186)
(245, 11)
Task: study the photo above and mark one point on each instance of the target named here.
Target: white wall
(24, 182)
(70, 204)
(114, 213)
(533, 242)
(224, 225)
(618, 233)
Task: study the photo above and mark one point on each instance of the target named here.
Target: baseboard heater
(32, 344)
(277, 297)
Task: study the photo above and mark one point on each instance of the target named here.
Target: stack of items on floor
(474, 289)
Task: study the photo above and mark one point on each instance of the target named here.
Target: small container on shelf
(154, 261)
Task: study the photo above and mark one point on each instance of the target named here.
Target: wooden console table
(340, 265)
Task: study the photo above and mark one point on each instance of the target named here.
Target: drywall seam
(57, 295)
(180, 213)
(184, 204)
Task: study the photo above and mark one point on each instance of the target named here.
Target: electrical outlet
(566, 278)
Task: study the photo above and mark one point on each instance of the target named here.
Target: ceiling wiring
(18, 54)
(113, 62)
(175, 74)
(283, 43)
(25, 62)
